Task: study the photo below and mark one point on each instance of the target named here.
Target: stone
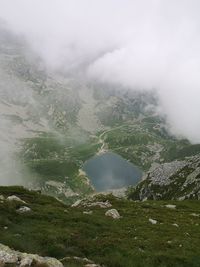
(169, 206)
(15, 198)
(88, 204)
(152, 221)
(92, 265)
(88, 212)
(2, 197)
(76, 204)
(23, 209)
(100, 204)
(113, 213)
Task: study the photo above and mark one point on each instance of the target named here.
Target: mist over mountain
(99, 133)
(142, 45)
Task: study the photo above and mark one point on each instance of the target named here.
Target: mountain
(53, 122)
(174, 180)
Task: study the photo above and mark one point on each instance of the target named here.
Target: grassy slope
(57, 230)
(49, 157)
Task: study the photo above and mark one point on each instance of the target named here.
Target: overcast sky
(141, 44)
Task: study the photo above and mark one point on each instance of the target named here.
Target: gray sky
(142, 44)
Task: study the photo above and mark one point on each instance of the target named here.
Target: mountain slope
(173, 180)
(52, 122)
(154, 233)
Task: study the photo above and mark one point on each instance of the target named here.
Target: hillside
(151, 233)
(174, 180)
(52, 123)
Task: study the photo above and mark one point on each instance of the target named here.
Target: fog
(141, 44)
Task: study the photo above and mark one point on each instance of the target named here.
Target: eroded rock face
(175, 180)
(9, 257)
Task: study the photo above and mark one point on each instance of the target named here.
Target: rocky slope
(174, 180)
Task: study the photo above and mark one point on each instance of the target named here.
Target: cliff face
(175, 180)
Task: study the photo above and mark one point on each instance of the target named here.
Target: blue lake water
(111, 171)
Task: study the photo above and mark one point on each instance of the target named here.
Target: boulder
(152, 221)
(23, 209)
(88, 212)
(169, 206)
(15, 198)
(113, 213)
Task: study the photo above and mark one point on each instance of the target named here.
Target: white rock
(92, 265)
(152, 221)
(15, 198)
(169, 206)
(100, 204)
(2, 197)
(113, 213)
(23, 209)
(76, 204)
(88, 212)
(26, 262)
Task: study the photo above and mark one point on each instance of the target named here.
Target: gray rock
(176, 180)
(9, 256)
(2, 197)
(23, 209)
(87, 203)
(76, 204)
(92, 265)
(113, 213)
(15, 198)
(88, 212)
(170, 206)
(152, 221)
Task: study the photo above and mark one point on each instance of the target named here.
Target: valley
(90, 174)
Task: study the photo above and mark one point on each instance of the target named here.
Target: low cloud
(140, 44)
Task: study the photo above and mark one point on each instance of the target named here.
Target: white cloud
(144, 44)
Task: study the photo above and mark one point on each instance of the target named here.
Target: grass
(139, 142)
(54, 229)
(58, 158)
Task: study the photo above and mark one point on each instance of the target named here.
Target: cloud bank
(141, 44)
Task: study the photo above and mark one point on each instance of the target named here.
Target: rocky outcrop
(175, 180)
(90, 203)
(12, 258)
